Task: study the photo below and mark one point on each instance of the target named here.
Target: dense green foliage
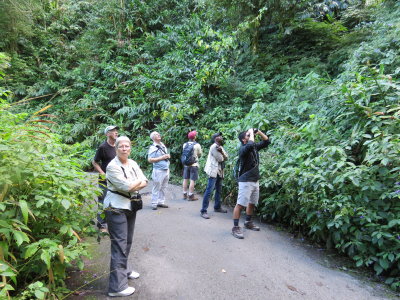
(321, 77)
(44, 205)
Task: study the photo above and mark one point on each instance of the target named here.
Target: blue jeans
(211, 184)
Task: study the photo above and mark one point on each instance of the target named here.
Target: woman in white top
(124, 180)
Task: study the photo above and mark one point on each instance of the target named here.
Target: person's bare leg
(192, 197)
(184, 188)
(250, 209)
(236, 211)
(191, 187)
(184, 185)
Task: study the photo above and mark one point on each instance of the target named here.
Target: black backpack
(187, 157)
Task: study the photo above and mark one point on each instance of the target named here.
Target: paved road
(183, 256)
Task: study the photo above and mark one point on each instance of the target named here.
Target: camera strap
(137, 196)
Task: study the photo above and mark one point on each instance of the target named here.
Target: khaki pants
(160, 182)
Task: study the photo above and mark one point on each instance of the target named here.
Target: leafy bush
(46, 204)
(335, 178)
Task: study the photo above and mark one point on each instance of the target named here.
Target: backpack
(187, 157)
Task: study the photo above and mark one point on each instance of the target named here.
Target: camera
(255, 130)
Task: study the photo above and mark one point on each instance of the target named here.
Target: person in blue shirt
(159, 157)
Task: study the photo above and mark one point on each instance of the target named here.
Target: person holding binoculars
(249, 174)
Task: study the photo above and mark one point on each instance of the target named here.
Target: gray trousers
(121, 224)
(160, 182)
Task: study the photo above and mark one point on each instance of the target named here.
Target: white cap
(108, 128)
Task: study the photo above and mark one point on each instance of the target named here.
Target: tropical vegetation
(321, 77)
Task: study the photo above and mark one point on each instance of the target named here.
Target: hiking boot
(162, 205)
(185, 196)
(237, 232)
(192, 197)
(204, 215)
(250, 225)
(220, 210)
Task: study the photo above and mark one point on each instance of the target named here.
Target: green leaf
(7, 274)
(378, 269)
(20, 237)
(359, 263)
(64, 229)
(39, 294)
(80, 264)
(384, 263)
(393, 223)
(24, 210)
(40, 203)
(66, 203)
(30, 250)
(45, 256)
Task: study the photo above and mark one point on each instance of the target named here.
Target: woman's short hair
(122, 139)
(153, 134)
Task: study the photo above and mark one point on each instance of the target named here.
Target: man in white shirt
(215, 170)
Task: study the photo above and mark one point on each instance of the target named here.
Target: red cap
(192, 134)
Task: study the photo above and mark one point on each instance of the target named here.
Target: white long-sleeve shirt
(116, 181)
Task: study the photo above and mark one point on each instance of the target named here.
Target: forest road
(180, 255)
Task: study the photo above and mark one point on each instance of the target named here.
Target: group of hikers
(121, 180)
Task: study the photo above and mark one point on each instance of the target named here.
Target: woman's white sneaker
(133, 275)
(126, 292)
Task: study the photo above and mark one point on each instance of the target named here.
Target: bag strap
(161, 148)
(118, 193)
(126, 177)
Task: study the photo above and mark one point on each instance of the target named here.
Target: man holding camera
(215, 170)
(249, 175)
(159, 157)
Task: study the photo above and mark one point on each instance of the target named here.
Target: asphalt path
(180, 255)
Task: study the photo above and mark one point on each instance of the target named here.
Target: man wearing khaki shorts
(249, 175)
